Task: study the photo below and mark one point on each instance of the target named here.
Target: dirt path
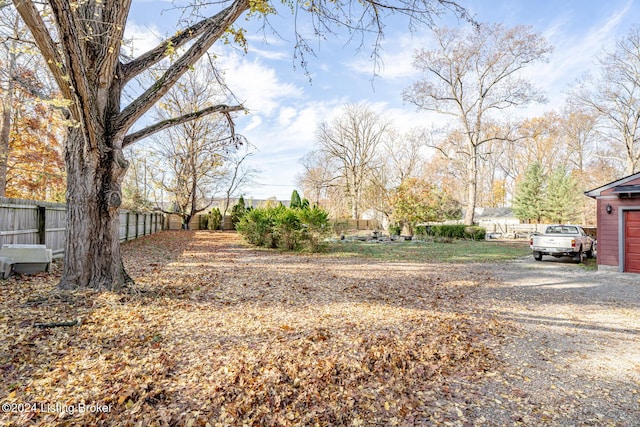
(574, 356)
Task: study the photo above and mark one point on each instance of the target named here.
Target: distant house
(487, 217)
(618, 216)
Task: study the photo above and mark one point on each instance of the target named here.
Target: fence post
(126, 232)
(144, 224)
(42, 225)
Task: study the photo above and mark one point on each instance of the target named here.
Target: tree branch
(45, 43)
(57, 324)
(213, 30)
(174, 121)
(114, 14)
(157, 54)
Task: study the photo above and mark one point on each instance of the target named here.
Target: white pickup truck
(563, 240)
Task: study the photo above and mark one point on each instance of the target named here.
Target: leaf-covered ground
(216, 333)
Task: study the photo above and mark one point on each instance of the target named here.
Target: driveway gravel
(574, 354)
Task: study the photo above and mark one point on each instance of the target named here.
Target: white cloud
(270, 54)
(286, 115)
(574, 55)
(396, 53)
(258, 86)
(142, 38)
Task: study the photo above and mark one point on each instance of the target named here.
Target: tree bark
(92, 248)
(5, 129)
(472, 188)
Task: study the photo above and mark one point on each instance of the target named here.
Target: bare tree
(351, 140)
(19, 76)
(403, 154)
(8, 88)
(237, 173)
(401, 159)
(317, 177)
(473, 74)
(136, 186)
(614, 95)
(189, 157)
(81, 46)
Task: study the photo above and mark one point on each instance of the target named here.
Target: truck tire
(589, 253)
(579, 256)
(537, 255)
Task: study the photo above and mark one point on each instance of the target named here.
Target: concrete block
(5, 267)
(28, 259)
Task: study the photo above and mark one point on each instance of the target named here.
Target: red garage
(619, 224)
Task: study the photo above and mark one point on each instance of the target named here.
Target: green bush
(288, 227)
(455, 231)
(315, 226)
(421, 230)
(285, 227)
(258, 227)
(395, 229)
(213, 219)
(238, 211)
(475, 233)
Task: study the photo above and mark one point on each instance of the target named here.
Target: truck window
(562, 229)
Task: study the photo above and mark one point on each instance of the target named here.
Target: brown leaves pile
(215, 333)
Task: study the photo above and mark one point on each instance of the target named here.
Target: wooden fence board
(21, 222)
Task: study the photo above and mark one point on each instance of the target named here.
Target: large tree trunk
(355, 209)
(92, 248)
(472, 188)
(4, 144)
(5, 127)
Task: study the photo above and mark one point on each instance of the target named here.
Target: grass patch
(459, 251)
(590, 264)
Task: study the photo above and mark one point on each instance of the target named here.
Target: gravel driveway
(575, 353)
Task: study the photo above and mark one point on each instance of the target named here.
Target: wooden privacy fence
(343, 225)
(34, 222)
(174, 222)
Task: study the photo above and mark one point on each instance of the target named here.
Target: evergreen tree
(528, 203)
(561, 201)
(214, 219)
(238, 211)
(296, 202)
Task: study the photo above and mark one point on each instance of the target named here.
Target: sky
(286, 105)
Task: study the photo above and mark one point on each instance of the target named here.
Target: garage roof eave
(596, 192)
(627, 190)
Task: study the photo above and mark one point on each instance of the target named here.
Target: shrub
(395, 229)
(315, 226)
(475, 233)
(257, 226)
(421, 230)
(214, 219)
(455, 231)
(285, 227)
(204, 222)
(238, 211)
